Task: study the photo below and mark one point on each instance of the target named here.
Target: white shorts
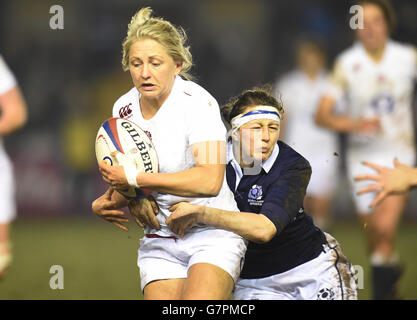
(324, 175)
(327, 277)
(168, 258)
(7, 190)
(355, 167)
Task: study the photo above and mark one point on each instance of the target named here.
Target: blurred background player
(377, 75)
(12, 117)
(300, 91)
(399, 179)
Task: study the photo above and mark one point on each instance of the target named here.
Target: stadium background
(70, 79)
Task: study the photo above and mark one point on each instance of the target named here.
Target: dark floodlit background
(71, 78)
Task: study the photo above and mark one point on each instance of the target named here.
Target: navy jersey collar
(266, 165)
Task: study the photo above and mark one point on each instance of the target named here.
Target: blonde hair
(173, 39)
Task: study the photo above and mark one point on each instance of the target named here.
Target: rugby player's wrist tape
(131, 174)
(129, 168)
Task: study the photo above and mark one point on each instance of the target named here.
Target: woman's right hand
(107, 207)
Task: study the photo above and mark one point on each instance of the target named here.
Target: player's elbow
(212, 183)
(213, 189)
(22, 119)
(265, 233)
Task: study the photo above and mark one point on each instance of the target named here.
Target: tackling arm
(251, 226)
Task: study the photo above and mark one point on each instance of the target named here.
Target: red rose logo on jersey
(148, 134)
(125, 112)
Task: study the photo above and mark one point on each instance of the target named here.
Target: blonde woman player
(181, 118)
(12, 117)
(377, 76)
(300, 91)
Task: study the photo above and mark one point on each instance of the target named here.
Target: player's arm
(13, 112)
(108, 207)
(325, 115)
(282, 203)
(203, 180)
(285, 198)
(388, 181)
(254, 227)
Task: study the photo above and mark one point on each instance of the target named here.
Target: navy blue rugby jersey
(279, 195)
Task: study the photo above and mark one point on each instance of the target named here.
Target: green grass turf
(99, 260)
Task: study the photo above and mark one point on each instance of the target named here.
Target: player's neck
(311, 74)
(376, 54)
(149, 107)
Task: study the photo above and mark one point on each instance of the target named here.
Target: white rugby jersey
(7, 82)
(378, 89)
(300, 96)
(188, 116)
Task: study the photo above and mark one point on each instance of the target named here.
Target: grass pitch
(99, 260)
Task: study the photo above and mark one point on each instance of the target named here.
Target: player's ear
(178, 68)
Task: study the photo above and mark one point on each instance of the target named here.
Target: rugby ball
(117, 134)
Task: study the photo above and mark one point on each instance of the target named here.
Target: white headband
(258, 112)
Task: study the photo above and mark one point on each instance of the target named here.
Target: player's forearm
(204, 181)
(120, 200)
(326, 118)
(251, 226)
(339, 123)
(413, 177)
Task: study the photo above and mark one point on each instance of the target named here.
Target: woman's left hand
(114, 175)
(183, 217)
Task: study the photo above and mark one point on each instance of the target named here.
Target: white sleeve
(204, 121)
(7, 79)
(115, 111)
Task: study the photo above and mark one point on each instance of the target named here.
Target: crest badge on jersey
(383, 104)
(255, 195)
